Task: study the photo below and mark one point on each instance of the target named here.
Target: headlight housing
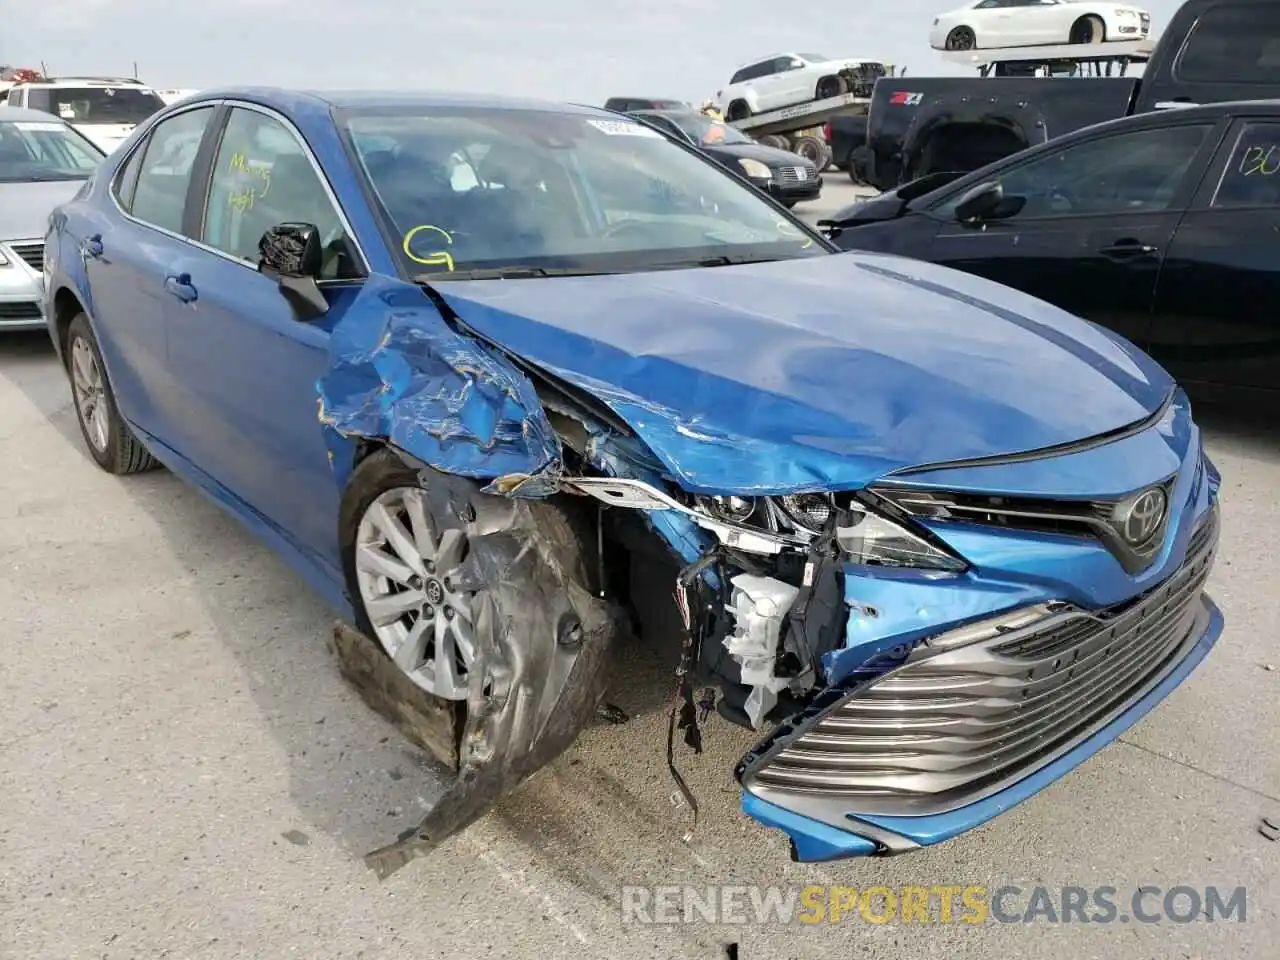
(873, 538)
(755, 169)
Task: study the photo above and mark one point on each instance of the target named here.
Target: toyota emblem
(1141, 517)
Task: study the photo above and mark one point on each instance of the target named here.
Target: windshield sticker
(437, 258)
(620, 128)
(38, 126)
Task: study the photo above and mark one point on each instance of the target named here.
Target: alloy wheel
(90, 393)
(409, 575)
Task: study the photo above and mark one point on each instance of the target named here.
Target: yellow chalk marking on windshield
(439, 258)
(789, 230)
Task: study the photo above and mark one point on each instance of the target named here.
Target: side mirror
(980, 202)
(797, 63)
(291, 253)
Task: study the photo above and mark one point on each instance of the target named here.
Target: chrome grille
(804, 173)
(951, 727)
(32, 253)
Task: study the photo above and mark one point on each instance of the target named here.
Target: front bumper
(942, 729)
(22, 285)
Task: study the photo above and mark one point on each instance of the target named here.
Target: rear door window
(165, 175)
(1233, 43)
(1252, 175)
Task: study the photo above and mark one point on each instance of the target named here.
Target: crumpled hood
(820, 373)
(25, 207)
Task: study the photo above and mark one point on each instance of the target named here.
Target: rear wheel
(738, 110)
(812, 149)
(775, 140)
(1088, 29)
(111, 443)
(961, 38)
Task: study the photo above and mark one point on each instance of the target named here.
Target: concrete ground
(183, 774)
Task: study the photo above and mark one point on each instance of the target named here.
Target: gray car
(43, 162)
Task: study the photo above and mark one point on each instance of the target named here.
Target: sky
(578, 50)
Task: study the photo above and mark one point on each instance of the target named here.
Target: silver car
(43, 162)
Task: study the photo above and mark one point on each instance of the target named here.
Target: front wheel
(429, 560)
(828, 87)
(111, 443)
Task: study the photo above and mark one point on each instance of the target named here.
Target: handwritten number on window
(1263, 160)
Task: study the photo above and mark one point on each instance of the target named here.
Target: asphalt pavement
(183, 774)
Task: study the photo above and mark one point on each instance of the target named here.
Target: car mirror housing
(291, 253)
(979, 202)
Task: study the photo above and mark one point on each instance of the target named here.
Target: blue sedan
(485, 371)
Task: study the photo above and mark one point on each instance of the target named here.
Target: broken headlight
(872, 538)
(733, 509)
(808, 511)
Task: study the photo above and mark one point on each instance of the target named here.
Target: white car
(984, 24)
(786, 79)
(104, 109)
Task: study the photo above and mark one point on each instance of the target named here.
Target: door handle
(92, 246)
(180, 286)
(1124, 249)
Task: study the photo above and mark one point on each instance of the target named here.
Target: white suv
(104, 109)
(786, 79)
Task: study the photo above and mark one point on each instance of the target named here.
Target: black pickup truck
(1212, 51)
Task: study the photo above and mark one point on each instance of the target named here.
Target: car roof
(289, 100)
(767, 56)
(10, 114)
(83, 82)
(674, 113)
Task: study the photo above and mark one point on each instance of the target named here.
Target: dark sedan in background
(1164, 227)
(788, 177)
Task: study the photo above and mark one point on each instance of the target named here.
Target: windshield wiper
(507, 273)
(722, 260)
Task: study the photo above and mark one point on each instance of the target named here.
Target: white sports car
(984, 24)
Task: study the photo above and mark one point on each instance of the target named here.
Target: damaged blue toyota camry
(510, 381)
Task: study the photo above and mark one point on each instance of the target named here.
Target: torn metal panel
(398, 372)
(543, 638)
(433, 724)
(891, 608)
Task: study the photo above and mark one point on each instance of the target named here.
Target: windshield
(98, 104)
(467, 189)
(44, 150)
(702, 129)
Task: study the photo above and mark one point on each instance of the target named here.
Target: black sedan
(1164, 227)
(789, 178)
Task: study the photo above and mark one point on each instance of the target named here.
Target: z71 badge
(903, 98)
